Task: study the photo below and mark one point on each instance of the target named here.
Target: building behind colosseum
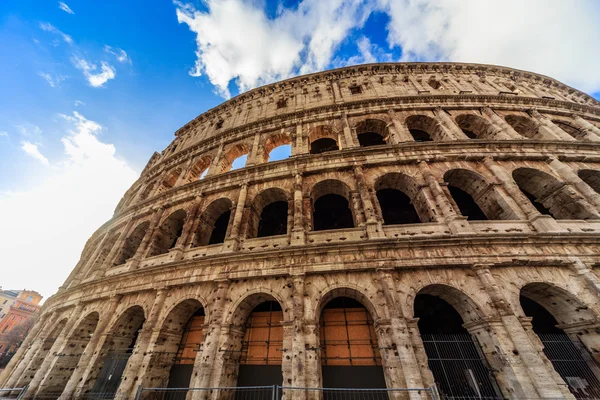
(436, 224)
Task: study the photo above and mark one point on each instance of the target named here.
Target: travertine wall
(151, 261)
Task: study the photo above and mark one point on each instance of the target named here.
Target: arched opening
(268, 214)
(331, 208)
(322, 139)
(179, 341)
(424, 128)
(474, 126)
(455, 360)
(570, 129)
(277, 147)
(524, 126)
(408, 207)
(166, 236)
(66, 362)
(170, 181)
(35, 363)
(372, 132)
(349, 350)
(235, 157)
(213, 224)
(105, 377)
(132, 243)
(101, 257)
(396, 207)
(476, 198)
(591, 177)
(550, 196)
(199, 169)
(144, 194)
(551, 309)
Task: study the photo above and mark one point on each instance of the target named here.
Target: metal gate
(13, 393)
(459, 369)
(573, 364)
(108, 380)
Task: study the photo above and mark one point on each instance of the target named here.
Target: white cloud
(65, 7)
(51, 28)
(63, 211)
(78, 103)
(3, 133)
(53, 81)
(120, 54)
(236, 41)
(107, 72)
(33, 151)
(29, 130)
(553, 37)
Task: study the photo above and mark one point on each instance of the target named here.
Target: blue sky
(91, 89)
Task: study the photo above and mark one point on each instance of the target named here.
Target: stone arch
(476, 198)
(268, 213)
(591, 177)
(474, 126)
(233, 153)
(371, 132)
(274, 141)
(62, 369)
(400, 200)
(570, 128)
(459, 300)
(121, 337)
(322, 139)
(145, 193)
(166, 236)
(350, 291)
(551, 196)
(132, 243)
(332, 205)
(524, 126)
(214, 222)
(100, 259)
(199, 168)
(424, 128)
(170, 180)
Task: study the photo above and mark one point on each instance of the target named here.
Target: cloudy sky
(88, 90)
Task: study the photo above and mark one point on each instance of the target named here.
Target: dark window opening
(539, 206)
(370, 139)
(458, 367)
(219, 124)
(469, 134)
(467, 206)
(220, 229)
(323, 145)
(396, 208)
(273, 219)
(355, 89)
(281, 103)
(420, 136)
(332, 212)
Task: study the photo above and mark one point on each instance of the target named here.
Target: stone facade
(523, 147)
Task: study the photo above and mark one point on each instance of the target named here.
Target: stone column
(298, 352)
(187, 231)
(590, 131)
(254, 156)
(586, 274)
(61, 341)
(548, 129)
(355, 203)
(349, 134)
(419, 352)
(505, 131)
(92, 353)
(569, 176)
(145, 244)
(299, 148)
(313, 356)
(374, 228)
(140, 358)
(453, 131)
(398, 130)
(182, 178)
(91, 261)
(298, 231)
(542, 223)
(233, 241)
(215, 164)
(115, 251)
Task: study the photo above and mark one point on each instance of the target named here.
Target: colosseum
(435, 227)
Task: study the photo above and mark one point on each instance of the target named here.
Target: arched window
(213, 224)
(322, 139)
(235, 157)
(474, 126)
(372, 132)
(199, 169)
(331, 208)
(570, 129)
(132, 243)
(459, 369)
(101, 257)
(349, 350)
(396, 207)
(268, 214)
(166, 236)
(400, 200)
(170, 180)
(277, 147)
(424, 128)
(591, 177)
(525, 126)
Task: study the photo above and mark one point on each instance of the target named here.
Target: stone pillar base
(545, 223)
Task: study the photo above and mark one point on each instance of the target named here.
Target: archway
(552, 310)
(104, 379)
(268, 214)
(166, 236)
(574, 132)
(331, 206)
(372, 132)
(550, 196)
(424, 128)
(406, 207)
(349, 349)
(591, 177)
(213, 224)
(459, 369)
(277, 147)
(323, 139)
(170, 180)
(524, 126)
(66, 362)
(104, 252)
(474, 126)
(199, 169)
(235, 157)
(132, 243)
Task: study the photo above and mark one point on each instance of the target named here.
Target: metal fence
(283, 393)
(13, 393)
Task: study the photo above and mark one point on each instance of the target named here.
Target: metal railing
(13, 393)
(277, 392)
